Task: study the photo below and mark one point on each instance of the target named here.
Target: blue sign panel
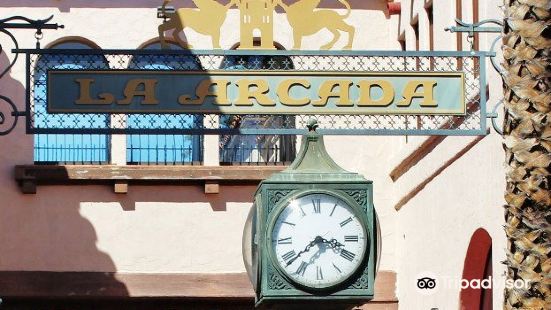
(256, 92)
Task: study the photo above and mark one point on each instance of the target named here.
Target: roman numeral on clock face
(351, 238)
(287, 256)
(285, 240)
(319, 273)
(347, 255)
(317, 205)
(348, 220)
(302, 268)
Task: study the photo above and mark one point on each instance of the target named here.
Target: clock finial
(312, 124)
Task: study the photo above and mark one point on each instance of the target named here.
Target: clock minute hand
(317, 240)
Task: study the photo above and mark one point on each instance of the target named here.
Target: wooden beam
(29, 176)
(438, 171)
(100, 285)
(428, 145)
(121, 187)
(416, 156)
(212, 187)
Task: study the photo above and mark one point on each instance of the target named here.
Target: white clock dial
(318, 240)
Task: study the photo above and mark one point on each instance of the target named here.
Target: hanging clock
(311, 235)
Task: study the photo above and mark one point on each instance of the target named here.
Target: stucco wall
(434, 228)
(179, 229)
(157, 229)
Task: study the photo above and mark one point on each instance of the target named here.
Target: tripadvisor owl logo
(426, 283)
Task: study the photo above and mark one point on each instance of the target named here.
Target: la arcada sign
(255, 92)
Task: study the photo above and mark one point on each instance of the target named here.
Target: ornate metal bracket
(477, 27)
(19, 22)
(494, 115)
(472, 29)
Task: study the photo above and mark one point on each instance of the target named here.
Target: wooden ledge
(99, 285)
(29, 176)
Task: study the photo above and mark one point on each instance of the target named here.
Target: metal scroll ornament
(8, 110)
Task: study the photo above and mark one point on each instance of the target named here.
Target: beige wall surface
(434, 228)
(179, 229)
(157, 229)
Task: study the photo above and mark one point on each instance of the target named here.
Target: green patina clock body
(350, 260)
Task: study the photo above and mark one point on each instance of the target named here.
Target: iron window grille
(169, 149)
(67, 148)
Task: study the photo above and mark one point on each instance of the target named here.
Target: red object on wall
(394, 8)
(478, 265)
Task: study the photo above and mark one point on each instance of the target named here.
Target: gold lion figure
(306, 20)
(207, 19)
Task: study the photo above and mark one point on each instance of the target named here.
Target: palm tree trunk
(527, 133)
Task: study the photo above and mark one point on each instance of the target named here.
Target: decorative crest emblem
(306, 20)
(207, 20)
(256, 20)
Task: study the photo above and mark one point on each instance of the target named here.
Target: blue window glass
(67, 149)
(261, 149)
(164, 149)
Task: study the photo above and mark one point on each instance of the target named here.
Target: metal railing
(255, 155)
(164, 150)
(71, 150)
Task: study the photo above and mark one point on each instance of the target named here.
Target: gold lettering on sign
(86, 98)
(220, 92)
(259, 92)
(284, 89)
(411, 92)
(131, 90)
(365, 93)
(326, 91)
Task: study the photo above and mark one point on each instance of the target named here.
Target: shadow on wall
(185, 194)
(65, 6)
(47, 232)
(15, 91)
(32, 228)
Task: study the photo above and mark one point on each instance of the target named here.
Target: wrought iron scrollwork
(6, 128)
(494, 115)
(18, 22)
(479, 27)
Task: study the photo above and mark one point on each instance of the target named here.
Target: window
(163, 149)
(250, 149)
(67, 149)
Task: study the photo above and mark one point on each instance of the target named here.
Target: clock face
(318, 240)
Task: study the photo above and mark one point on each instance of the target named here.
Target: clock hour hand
(317, 240)
(334, 243)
